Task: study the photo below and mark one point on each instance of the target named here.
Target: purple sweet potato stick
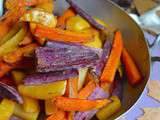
(43, 78)
(98, 93)
(15, 118)
(64, 57)
(10, 93)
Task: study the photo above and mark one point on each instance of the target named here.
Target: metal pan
(133, 39)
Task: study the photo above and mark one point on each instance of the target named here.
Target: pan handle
(156, 42)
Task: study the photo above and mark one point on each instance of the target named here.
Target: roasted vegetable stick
(30, 105)
(62, 35)
(61, 21)
(82, 77)
(87, 90)
(18, 111)
(110, 109)
(10, 34)
(44, 91)
(6, 109)
(27, 39)
(132, 71)
(18, 76)
(73, 87)
(18, 54)
(59, 115)
(50, 107)
(12, 44)
(113, 60)
(75, 104)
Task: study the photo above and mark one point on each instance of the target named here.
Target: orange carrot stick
(18, 54)
(75, 104)
(10, 18)
(4, 68)
(61, 22)
(73, 87)
(113, 60)
(132, 71)
(59, 115)
(62, 35)
(87, 90)
(27, 39)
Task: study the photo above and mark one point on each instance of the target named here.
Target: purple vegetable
(85, 15)
(98, 93)
(42, 78)
(10, 93)
(61, 57)
(118, 86)
(15, 118)
(105, 54)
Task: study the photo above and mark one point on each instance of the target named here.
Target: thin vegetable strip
(113, 60)
(62, 35)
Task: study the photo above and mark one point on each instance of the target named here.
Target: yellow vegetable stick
(12, 44)
(50, 107)
(30, 105)
(44, 91)
(18, 76)
(110, 109)
(19, 112)
(6, 109)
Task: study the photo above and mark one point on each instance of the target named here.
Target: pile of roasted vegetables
(66, 67)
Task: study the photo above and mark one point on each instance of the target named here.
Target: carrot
(18, 54)
(75, 104)
(4, 68)
(87, 90)
(27, 39)
(113, 60)
(61, 21)
(62, 35)
(59, 115)
(9, 19)
(132, 71)
(73, 87)
(6, 25)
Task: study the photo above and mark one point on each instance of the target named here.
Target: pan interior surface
(133, 39)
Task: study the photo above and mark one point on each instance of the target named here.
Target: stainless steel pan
(133, 39)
